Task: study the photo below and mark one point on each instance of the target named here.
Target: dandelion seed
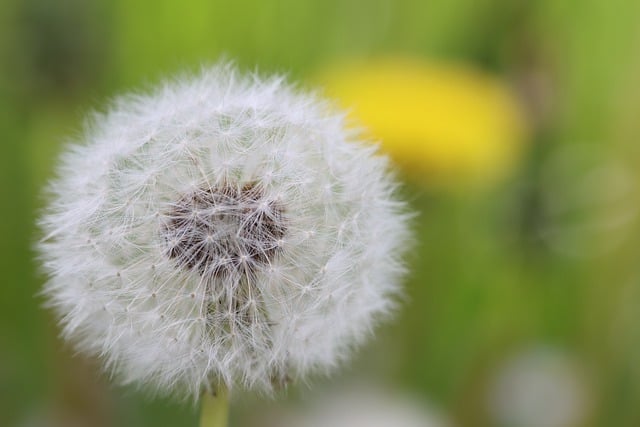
(223, 229)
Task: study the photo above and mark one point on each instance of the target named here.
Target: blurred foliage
(548, 256)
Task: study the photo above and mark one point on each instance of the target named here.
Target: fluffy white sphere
(540, 387)
(222, 229)
(359, 406)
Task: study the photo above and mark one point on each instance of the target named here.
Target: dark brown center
(224, 230)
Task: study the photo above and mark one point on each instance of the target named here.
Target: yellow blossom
(446, 123)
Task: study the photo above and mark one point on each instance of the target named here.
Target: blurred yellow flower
(446, 123)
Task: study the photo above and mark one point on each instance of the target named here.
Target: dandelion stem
(214, 410)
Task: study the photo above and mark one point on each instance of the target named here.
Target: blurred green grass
(484, 281)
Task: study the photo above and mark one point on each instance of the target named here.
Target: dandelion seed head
(224, 228)
(540, 386)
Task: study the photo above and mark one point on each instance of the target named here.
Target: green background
(548, 258)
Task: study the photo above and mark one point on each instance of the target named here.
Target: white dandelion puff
(540, 387)
(224, 229)
(355, 406)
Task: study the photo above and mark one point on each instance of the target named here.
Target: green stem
(214, 409)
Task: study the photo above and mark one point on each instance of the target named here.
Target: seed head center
(224, 230)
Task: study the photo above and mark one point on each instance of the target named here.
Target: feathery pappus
(225, 228)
